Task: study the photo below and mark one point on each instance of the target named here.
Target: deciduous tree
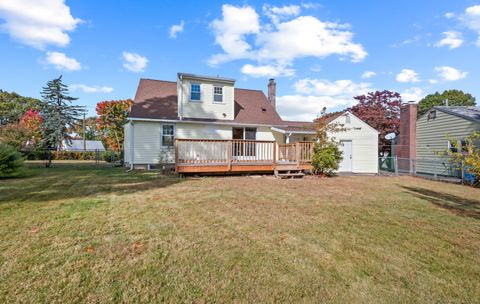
(455, 98)
(381, 110)
(112, 116)
(13, 106)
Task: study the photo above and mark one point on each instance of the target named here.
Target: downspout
(180, 106)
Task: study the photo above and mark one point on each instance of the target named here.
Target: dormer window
(195, 92)
(217, 94)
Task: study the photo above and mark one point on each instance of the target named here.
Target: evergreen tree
(58, 114)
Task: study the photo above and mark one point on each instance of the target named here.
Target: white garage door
(346, 164)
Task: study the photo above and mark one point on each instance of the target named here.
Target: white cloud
(62, 61)
(450, 74)
(89, 89)
(449, 15)
(283, 40)
(471, 19)
(267, 70)
(311, 95)
(276, 13)
(433, 81)
(38, 23)
(368, 74)
(230, 32)
(288, 41)
(452, 39)
(412, 94)
(134, 62)
(407, 75)
(175, 29)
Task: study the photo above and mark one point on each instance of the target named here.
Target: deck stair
(288, 171)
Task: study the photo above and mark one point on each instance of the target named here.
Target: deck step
(296, 173)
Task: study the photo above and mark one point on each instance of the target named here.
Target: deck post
(274, 153)
(229, 155)
(297, 152)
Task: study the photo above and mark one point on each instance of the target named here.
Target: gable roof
(469, 113)
(157, 99)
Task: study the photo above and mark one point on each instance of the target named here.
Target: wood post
(229, 155)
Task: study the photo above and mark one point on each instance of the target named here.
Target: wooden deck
(236, 156)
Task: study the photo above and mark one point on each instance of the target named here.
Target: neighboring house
(205, 124)
(79, 145)
(433, 130)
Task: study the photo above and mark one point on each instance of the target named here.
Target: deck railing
(300, 152)
(211, 151)
(217, 152)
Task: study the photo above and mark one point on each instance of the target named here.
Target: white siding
(206, 108)
(203, 131)
(126, 144)
(364, 144)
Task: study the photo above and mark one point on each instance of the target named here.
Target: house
(79, 145)
(206, 124)
(434, 130)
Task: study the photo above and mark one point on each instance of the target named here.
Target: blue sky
(321, 53)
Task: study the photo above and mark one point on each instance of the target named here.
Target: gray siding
(432, 140)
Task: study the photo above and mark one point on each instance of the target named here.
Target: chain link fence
(436, 169)
(91, 158)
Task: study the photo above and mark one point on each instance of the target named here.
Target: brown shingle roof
(252, 106)
(157, 99)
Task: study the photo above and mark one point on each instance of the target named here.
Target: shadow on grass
(50, 184)
(459, 205)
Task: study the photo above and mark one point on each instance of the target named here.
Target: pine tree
(58, 114)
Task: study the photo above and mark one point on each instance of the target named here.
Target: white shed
(359, 144)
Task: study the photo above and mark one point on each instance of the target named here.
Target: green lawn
(79, 234)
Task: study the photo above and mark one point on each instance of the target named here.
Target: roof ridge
(158, 80)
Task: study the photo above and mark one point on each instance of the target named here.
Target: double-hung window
(217, 94)
(195, 92)
(168, 135)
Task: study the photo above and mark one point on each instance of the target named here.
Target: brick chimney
(272, 91)
(407, 146)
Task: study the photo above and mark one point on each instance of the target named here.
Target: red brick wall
(407, 138)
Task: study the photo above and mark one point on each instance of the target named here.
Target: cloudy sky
(321, 53)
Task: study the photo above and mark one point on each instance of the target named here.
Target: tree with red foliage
(32, 120)
(112, 116)
(381, 110)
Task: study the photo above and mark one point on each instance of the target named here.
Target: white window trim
(161, 135)
(190, 92)
(223, 94)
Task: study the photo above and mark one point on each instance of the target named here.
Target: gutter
(230, 123)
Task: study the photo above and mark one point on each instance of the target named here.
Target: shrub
(326, 158)
(108, 156)
(11, 161)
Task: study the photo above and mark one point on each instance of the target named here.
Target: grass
(80, 234)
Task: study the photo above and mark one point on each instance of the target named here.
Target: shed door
(346, 164)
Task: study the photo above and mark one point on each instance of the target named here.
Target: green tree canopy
(58, 114)
(13, 106)
(455, 98)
